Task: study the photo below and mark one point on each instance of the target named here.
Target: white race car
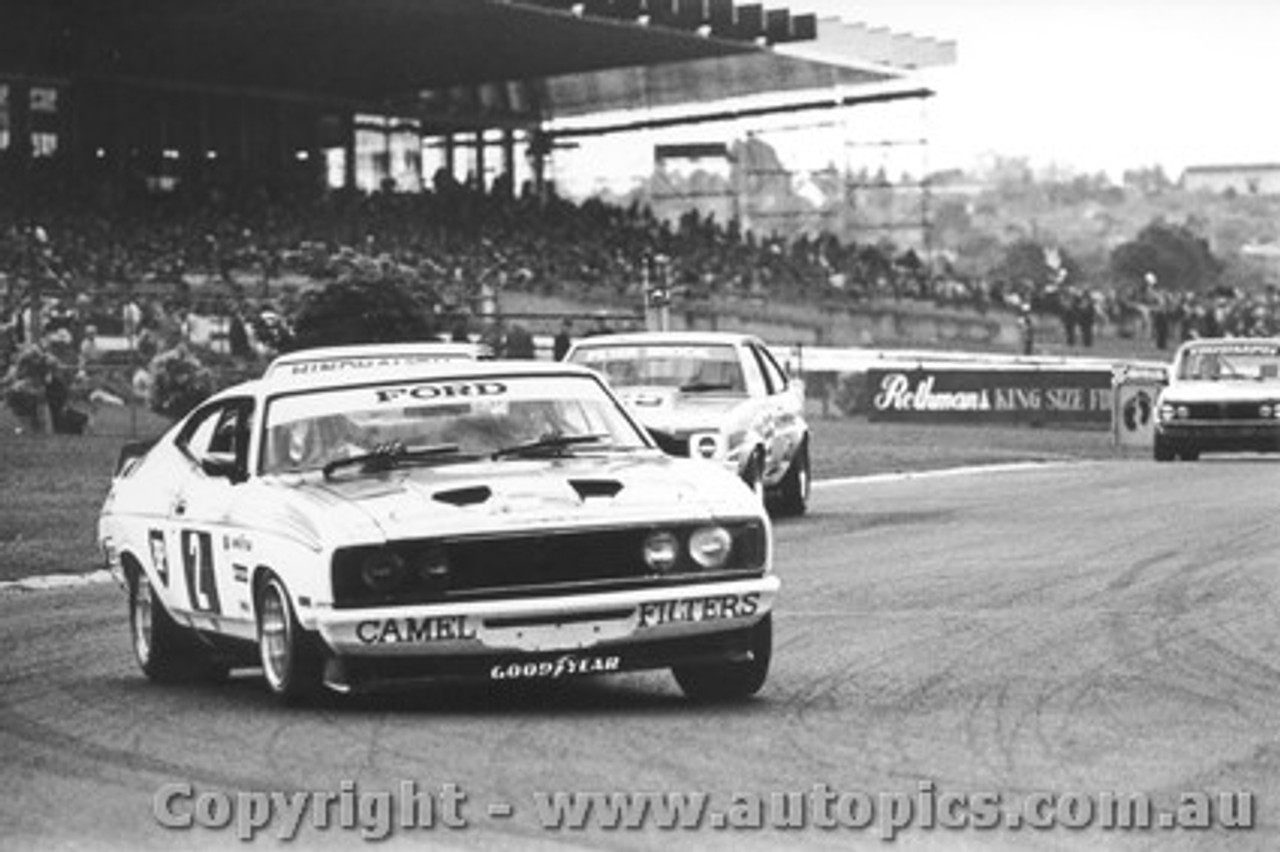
(1223, 395)
(713, 395)
(349, 524)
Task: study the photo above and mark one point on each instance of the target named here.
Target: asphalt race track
(1109, 627)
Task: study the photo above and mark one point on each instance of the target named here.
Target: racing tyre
(291, 660)
(732, 681)
(1162, 451)
(794, 497)
(754, 475)
(1189, 455)
(166, 652)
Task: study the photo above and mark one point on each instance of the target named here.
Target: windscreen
(478, 416)
(1231, 361)
(688, 367)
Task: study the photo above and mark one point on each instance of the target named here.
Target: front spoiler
(570, 634)
(358, 674)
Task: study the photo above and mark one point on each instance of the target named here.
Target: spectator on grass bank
(1161, 319)
(131, 318)
(460, 332)
(90, 350)
(1084, 311)
(238, 336)
(24, 387)
(1027, 330)
(494, 337)
(519, 343)
(564, 339)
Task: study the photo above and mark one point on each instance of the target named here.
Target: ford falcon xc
(717, 396)
(1223, 395)
(385, 519)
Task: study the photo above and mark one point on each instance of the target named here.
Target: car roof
(635, 338)
(1259, 344)
(329, 357)
(373, 370)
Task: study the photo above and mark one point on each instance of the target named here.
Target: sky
(1085, 85)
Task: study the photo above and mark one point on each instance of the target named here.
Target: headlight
(1183, 412)
(661, 551)
(1167, 411)
(710, 546)
(432, 567)
(382, 571)
(1265, 410)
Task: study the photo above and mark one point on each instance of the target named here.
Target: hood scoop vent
(588, 488)
(464, 496)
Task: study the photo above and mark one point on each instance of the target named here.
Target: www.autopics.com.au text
(412, 806)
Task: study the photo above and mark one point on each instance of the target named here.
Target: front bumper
(1250, 435)
(549, 638)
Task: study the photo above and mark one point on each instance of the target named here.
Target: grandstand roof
(481, 61)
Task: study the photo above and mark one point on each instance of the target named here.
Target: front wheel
(753, 474)
(291, 659)
(794, 496)
(730, 681)
(1163, 452)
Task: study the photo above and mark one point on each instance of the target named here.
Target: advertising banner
(944, 394)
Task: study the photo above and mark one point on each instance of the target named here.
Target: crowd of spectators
(82, 260)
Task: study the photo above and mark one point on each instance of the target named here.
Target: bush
(360, 311)
(26, 385)
(179, 382)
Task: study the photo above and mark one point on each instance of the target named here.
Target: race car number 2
(197, 567)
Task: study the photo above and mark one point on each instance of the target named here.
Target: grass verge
(52, 486)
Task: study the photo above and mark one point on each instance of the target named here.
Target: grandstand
(149, 146)
(350, 93)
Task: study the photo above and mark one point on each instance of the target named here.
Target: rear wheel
(794, 496)
(730, 681)
(290, 655)
(166, 652)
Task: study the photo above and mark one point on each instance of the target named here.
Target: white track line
(64, 581)
(56, 581)
(902, 476)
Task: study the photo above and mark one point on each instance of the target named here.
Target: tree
(1177, 257)
(1025, 262)
(360, 311)
(179, 382)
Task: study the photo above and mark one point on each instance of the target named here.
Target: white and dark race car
(713, 395)
(355, 524)
(1223, 395)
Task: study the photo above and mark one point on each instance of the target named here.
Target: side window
(198, 435)
(221, 429)
(775, 380)
(753, 377)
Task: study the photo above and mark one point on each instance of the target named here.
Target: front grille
(672, 445)
(1224, 411)
(531, 564)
